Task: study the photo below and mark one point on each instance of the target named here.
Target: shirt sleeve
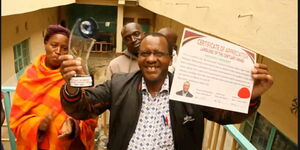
(89, 103)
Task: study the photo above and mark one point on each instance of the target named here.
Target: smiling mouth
(151, 69)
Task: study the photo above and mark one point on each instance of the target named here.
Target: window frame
(271, 136)
(21, 57)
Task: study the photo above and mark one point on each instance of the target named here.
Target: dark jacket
(122, 96)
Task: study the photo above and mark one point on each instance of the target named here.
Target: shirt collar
(129, 55)
(165, 86)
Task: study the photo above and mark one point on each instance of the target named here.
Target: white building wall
(266, 27)
(15, 29)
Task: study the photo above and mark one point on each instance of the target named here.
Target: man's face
(186, 87)
(132, 35)
(154, 59)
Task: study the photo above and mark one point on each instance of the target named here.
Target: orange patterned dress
(38, 94)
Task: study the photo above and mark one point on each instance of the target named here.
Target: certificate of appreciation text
(213, 72)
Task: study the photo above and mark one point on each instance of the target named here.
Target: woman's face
(56, 45)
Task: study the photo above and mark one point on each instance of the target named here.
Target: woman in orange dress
(37, 118)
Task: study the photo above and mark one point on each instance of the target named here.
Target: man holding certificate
(142, 116)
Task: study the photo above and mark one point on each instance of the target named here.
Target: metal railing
(239, 138)
(7, 90)
(224, 137)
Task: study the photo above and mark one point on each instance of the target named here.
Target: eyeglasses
(155, 53)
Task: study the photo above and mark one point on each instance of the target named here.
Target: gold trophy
(80, 44)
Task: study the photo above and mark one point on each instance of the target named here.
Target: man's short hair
(188, 82)
(124, 27)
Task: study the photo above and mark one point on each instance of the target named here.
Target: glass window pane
(251, 119)
(15, 52)
(20, 64)
(145, 23)
(291, 147)
(247, 130)
(19, 51)
(25, 44)
(21, 56)
(25, 61)
(261, 133)
(282, 143)
(25, 52)
(127, 20)
(16, 67)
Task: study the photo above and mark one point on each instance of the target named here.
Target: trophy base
(81, 81)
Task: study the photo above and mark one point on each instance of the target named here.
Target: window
(282, 143)
(21, 57)
(261, 132)
(248, 126)
(265, 136)
(127, 20)
(145, 23)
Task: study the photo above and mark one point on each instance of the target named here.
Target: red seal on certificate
(244, 93)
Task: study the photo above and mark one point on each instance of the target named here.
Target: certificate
(213, 72)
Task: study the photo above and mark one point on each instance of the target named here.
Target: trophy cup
(80, 44)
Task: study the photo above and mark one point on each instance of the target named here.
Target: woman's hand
(44, 125)
(68, 129)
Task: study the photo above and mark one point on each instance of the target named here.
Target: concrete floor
(98, 63)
